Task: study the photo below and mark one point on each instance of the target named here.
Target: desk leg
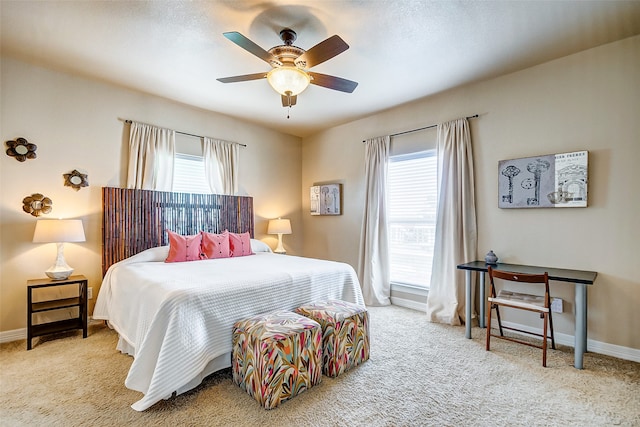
(468, 302)
(581, 325)
(483, 302)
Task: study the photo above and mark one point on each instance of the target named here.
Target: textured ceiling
(399, 50)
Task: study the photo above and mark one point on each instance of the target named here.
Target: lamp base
(60, 270)
(280, 249)
(58, 274)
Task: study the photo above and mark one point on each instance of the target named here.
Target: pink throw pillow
(184, 248)
(240, 244)
(215, 245)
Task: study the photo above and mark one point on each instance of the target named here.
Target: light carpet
(419, 374)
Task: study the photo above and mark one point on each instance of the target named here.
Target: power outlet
(556, 305)
(90, 293)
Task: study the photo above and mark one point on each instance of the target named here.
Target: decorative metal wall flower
(75, 180)
(37, 204)
(21, 149)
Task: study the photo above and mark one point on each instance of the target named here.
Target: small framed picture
(326, 199)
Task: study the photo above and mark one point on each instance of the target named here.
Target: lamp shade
(58, 231)
(279, 226)
(288, 80)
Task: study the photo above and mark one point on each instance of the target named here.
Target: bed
(176, 319)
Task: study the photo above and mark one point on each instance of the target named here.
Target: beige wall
(74, 122)
(588, 101)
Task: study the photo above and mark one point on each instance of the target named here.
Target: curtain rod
(423, 128)
(181, 133)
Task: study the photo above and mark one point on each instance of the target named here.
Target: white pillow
(258, 246)
(158, 253)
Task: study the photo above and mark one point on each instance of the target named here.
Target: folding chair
(523, 301)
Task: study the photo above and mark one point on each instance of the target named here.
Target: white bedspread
(178, 317)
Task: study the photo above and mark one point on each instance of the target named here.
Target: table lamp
(59, 231)
(279, 226)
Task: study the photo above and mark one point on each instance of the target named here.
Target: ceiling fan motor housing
(287, 55)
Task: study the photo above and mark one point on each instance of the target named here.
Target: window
(412, 189)
(188, 174)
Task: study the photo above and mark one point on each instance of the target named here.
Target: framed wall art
(549, 181)
(325, 199)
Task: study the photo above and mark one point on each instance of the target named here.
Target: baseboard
(593, 346)
(15, 335)
(626, 353)
(21, 334)
(407, 303)
(618, 351)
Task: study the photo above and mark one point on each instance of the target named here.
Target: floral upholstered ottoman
(345, 334)
(276, 356)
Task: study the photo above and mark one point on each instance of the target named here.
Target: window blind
(188, 175)
(412, 209)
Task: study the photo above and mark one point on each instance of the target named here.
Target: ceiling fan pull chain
(288, 111)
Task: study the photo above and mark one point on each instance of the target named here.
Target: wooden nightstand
(80, 301)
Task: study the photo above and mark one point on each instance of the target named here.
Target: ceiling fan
(289, 74)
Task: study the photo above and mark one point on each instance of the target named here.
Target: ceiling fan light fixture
(288, 80)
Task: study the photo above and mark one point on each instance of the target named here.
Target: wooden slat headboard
(135, 220)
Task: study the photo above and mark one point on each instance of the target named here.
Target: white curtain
(221, 165)
(151, 154)
(456, 234)
(373, 265)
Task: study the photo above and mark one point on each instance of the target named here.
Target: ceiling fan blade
(251, 47)
(243, 78)
(323, 51)
(333, 82)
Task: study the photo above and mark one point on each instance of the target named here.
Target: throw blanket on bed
(177, 317)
